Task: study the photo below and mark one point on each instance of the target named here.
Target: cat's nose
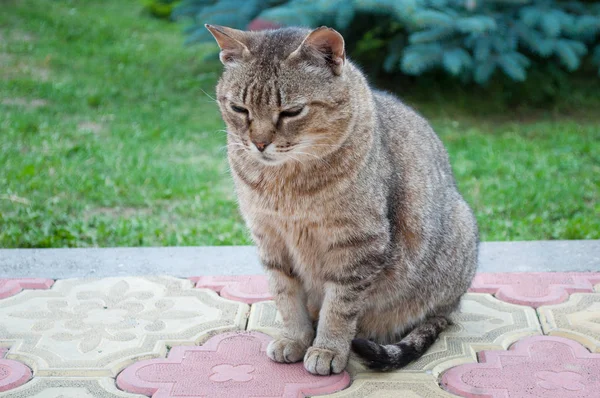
(261, 145)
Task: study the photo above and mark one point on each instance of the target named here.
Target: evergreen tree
(470, 39)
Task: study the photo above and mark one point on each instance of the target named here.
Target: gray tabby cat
(349, 196)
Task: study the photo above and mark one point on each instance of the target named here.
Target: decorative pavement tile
(12, 373)
(247, 288)
(10, 287)
(542, 366)
(95, 327)
(393, 385)
(227, 365)
(482, 323)
(265, 318)
(70, 387)
(577, 319)
(535, 288)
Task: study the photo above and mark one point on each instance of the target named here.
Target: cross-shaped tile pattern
(233, 365)
(541, 366)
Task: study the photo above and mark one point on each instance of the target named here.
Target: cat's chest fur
(302, 226)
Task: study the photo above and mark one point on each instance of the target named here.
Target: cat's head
(284, 94)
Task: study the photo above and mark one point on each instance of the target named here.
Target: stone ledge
(531, 256)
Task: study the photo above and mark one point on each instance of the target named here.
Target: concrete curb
(531, 256)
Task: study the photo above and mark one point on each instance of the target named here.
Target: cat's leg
(298, 331)
(288, 292)
(336, 328)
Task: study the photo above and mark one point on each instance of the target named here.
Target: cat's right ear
(231, 43)
(327, 45)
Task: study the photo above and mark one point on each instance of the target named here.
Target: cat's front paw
(322, 361)
(286, 350)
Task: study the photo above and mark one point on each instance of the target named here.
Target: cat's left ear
(231, 43)
(327, 44)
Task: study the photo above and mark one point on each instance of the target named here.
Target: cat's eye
(291, 112)
(238, 109)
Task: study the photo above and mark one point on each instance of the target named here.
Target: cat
(350, 198)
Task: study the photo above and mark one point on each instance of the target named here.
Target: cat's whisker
(306, 146)
(288, 149)
(299, 148)
(236, 145)
(227, 133)
(313, 155)
(333, 144)
(209, 96)
(296, 159)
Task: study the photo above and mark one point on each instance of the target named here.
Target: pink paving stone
(535, 288)
(227, 365)
(246, 288)
(12, 373)
(541, 366)
(10, 287)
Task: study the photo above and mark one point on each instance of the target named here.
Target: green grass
(535, 181)
(127, 150)
(108, 139)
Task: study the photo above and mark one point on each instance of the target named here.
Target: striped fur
(395, 356)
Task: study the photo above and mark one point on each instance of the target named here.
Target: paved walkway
(516, 335)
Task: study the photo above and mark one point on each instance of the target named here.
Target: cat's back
(398, 121)
(423, 178)
(407, 136)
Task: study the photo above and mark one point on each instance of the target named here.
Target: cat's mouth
(269, 159)
(273, 157)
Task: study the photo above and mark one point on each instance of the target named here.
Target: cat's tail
(395, 356)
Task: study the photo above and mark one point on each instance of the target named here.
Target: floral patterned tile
(265, 318)
(10, 287)
(393, 385)
(227, 365)
(245, 288)
(483, 322)
(541, 366)
(535, 288)
(95, 327)
(577, 319)
(70, 387)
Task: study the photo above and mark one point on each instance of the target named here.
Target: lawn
(109, 137)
